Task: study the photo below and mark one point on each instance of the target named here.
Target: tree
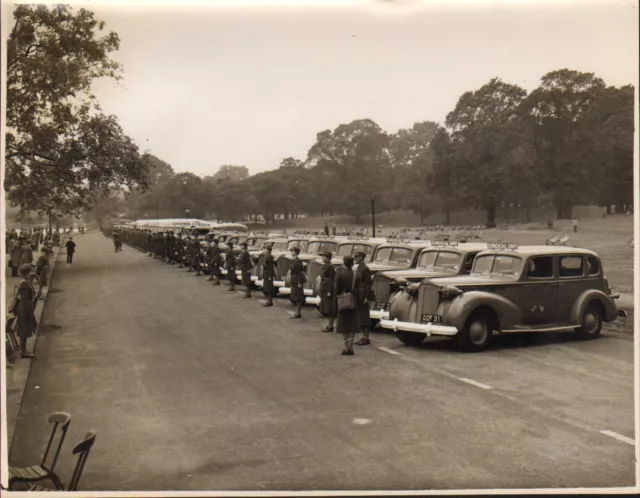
(60, 148)
(487, 128)
(229, 172)
(106, 207)
(555, 110)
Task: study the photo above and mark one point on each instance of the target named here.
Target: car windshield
(321, 246)
(257, 241)
(394, 255)
(499, 264)
(279, 246)
(234, 240)
(302, 244)
(345, 249)
(440, 260)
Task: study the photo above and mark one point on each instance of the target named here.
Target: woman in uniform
(347, 320)
(327, 297)
(296, 270)
(364, 295)
(246, 266)
(230, 261)
(268, 273)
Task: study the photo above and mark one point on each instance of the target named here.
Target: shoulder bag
(347, 301)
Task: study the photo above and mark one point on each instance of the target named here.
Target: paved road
(192, 387)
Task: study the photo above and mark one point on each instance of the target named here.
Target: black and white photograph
(365, 246)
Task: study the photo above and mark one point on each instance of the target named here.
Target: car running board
(547, 328)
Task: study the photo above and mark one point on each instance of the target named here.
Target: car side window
(571, 266)
(593, 266)
(540, 267)
(468, 262)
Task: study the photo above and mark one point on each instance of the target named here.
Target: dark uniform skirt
(246, 277)
(347, 322)
(327, 303)
(297, 292)
(267, 286)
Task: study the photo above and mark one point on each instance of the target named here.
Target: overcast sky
(204, 87)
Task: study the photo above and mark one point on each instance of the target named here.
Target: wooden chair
(563, 241)
(552, 241)
(44, 470)
(81, 449)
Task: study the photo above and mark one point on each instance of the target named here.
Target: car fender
(462, 306)
(401, 305)
(610, 311)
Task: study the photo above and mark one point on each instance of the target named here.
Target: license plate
(426, 318)
(382, 306)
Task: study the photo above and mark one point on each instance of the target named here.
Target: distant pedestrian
(327, 297)
(71, 249)
(23, 309)
(575, 226)
(42, 266)
(333, 228)
(15, 250)
(246, 265)
(26, 252)
(230, 262)
(347, 322)
(326, 228)
(117, 243)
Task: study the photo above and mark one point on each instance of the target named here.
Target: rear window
(499, 265)
(302, 244)
(571, 266)
(540, 267)
(440, 260)
(345, 249)
(279, 246)
(593, 266)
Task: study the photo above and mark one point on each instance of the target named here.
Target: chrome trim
(278, 283)
(546, 329)
(379, 314)
(285, 291)
(259, 283)
(307, 292)
(313, 300)
(424, 328)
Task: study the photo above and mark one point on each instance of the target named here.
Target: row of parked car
(469, 291)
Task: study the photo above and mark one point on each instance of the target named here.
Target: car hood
(416, 274)
(378, 267)
(474, 280)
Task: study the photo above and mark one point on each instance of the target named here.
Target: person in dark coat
(24, 310)
(214, 262)
(326, 228)
(246, 265)
(196, 251)
(268, 274)
(15, 250)
(327, 297)
(71, 249)
(347, 322)
(230, 262)
(42, 266)
(364, 295)
(296, 270)
(26, 252)
(116, 240)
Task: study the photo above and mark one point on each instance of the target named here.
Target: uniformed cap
(327, 254)
(359, 254)
(348, 258)
(296, 249)
(244, 244)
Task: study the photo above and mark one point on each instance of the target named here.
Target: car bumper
(421, 328)
(313, 300)
(378, 314)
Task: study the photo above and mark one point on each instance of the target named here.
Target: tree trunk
(491, 216)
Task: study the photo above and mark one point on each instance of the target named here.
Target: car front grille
(313, 271)
(429, 298)
(282, 266)
(381, 288)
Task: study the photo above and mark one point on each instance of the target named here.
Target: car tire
(477, 333)
(413, 339)
(592, 319)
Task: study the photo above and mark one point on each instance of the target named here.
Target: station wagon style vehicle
(510, 289)
(440, 259)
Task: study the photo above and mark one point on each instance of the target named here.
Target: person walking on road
(268, 273)
(116, 240)
(298, 277)
(327, 297)
(364, 295)
(23, 309)
(326, 228)
(246, 265)
(71, 249)
(347, 319)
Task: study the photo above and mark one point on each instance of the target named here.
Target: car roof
(410, 244)
(463, 247)
(377, 240)
(541, 250)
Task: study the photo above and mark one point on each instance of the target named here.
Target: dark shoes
(328, 329)
(296, 316)
(346, 352)
(267, 304)
(28, 355)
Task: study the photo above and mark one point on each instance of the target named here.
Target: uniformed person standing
(347, 322)
(197, 248)
(116, 240)
(296, 270)
(213, 260)
(268, 273)
(230, 263)
(364, 295)
(246, 265)
(188, 253)
(327, 298)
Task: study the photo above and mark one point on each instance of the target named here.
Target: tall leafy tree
(60, 147)
(556, 109)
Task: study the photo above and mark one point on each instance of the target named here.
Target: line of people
(185, 252)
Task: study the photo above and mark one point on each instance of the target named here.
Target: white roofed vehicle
(510, 289)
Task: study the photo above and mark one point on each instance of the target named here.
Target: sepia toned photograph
(330, 246)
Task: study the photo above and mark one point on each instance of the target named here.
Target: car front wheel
(477, 333)
(591, 322)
